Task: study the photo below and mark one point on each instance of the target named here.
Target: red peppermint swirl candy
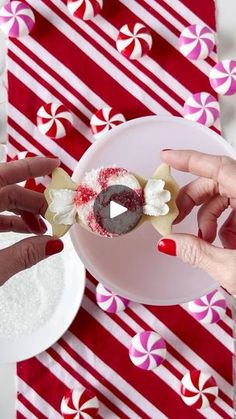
(104, 120)
(134, 41)
(198, 389)
(34, 184)
(54, 120)
(79, 403)
(85, 9)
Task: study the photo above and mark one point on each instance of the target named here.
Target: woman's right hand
(214, 190)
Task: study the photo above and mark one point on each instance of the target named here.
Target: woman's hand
(28, 207)
(215, 190)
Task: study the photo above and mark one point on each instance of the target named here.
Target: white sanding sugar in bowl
(29, 298)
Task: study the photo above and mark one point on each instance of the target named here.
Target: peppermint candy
(108, 301)
(104, 120)
(134, 41)
(196, 42)
(209, 309)
(203, 108)
(198, 389)
(223, 77)
(79, 403)
(147, 350)
(54, 120)
(85, 9)
(16, 19)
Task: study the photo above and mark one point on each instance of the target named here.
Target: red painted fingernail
(167, 246)
(166, 149)
(53, 247)
(199, 234)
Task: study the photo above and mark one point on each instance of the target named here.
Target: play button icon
(118, 209)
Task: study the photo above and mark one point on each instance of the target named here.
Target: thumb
(217, 262)
(25, 254)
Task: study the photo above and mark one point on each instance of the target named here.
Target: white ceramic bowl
(130, 265)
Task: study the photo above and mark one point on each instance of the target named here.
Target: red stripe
(116, 356)
(199, 339)
(35, 374)
(116, 63)
(173, 12)
(168, 24)
(85, 383)
(141, 67)
(205, 10)
(74, 140)
(102, 379)
(20, 416)
(30, 406)
(65, 82)
(170, 349)
(37, 145)
(88, 71)
(225, 327)
(75, 145)
(162, 52)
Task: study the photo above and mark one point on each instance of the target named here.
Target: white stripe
(175, 342)
(72, 382)
(162, 372)
(36, 400)
(171, 19)
(162, 30)
(63, 72)
(115, 379)
(20, 407)
(48, 144)
(182, 348)
(12, 151)
(228, 321)
(172, 360)
(42, 92)
(149, 63)
(186, 13)
(100, 59)
(217, 332)
(52, 81)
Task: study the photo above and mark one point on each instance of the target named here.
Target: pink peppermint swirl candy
(108, 301)
(198, 389)
(203, 108)
(16, 19)
(196, 42)
(147, 350)
(134, 41)
(223, 77)
(85, 9)
(208, 309)
(79, 403)
(104, 120)
(54, 120)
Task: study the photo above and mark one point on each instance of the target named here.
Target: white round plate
(26, 346)
(130, 265)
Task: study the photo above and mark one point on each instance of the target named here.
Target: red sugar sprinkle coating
(95, 227)
(106, 174)
(84, 194)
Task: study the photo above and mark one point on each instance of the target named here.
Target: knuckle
(28, 255)
(192, 253)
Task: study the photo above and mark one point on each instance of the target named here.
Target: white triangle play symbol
(116, 209)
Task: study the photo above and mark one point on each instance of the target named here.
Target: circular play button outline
(126, 220)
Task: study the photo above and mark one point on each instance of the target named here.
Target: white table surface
(226, 12)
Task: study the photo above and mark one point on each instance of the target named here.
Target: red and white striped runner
(76, 63)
